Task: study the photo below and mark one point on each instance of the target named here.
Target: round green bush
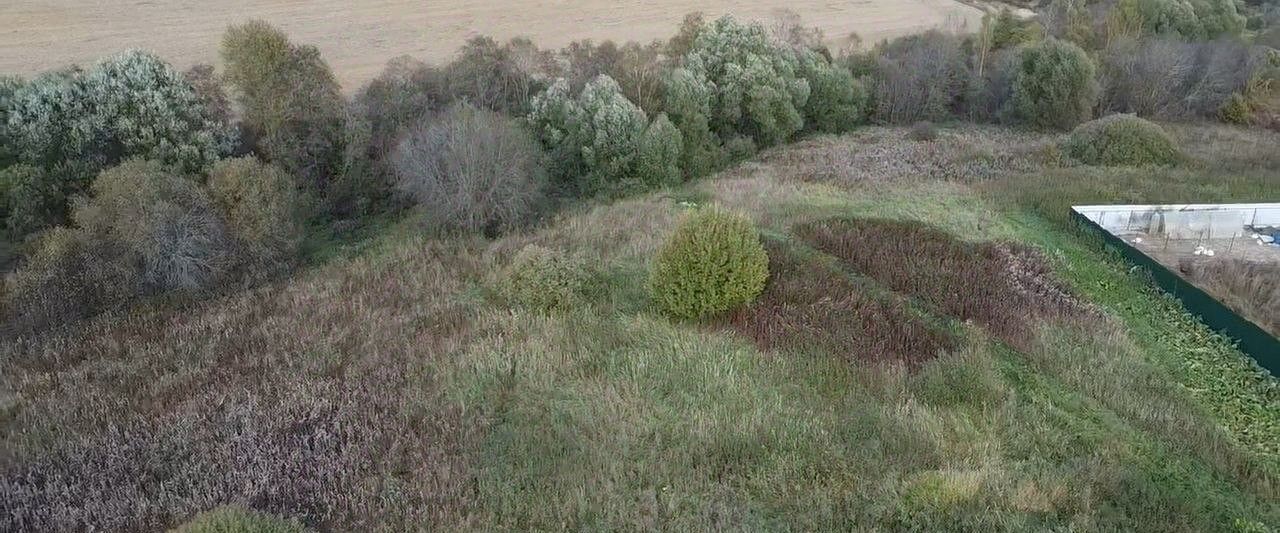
(262, 206)
(542, 278)
(712, 263)
(235, 519)
(1121, 140)
(1054, 85)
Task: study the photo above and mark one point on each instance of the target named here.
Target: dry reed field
(358, 38)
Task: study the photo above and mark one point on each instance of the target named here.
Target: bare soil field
(358, 37)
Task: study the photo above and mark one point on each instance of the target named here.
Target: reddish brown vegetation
(1003, 287)
(313, 400)
(809, 305)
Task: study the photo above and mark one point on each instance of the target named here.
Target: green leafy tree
(688, 104)
(1054, 85)
(837, 102)
(130, 105)
(756, 89)
(292, 106)
(601, 142)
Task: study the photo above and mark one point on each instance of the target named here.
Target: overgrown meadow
(733, 280)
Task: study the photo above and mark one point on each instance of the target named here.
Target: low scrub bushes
(712, 263)
(70, 276)
(809, 305)
(471, 170)
(1121, 140)
(236, 519)
(601, 143)
(543, 279)
(1054, 85)
(165, 223)
(1003, 287)
(262, 206)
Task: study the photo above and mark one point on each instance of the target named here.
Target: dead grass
(312, 400)
(1251, 288)
(808, 305)
(1004, 287)
(872, 156)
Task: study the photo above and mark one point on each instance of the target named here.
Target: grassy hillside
(937, 349)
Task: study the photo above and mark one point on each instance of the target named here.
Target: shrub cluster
(712, 263)
(543, 279)
(146, 229)
(472, 169)
(70, 276)
(600, 142)
(263, 208)
(1054, 85)
(163, 222)
(1121, 140)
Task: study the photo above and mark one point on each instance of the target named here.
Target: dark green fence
(1251, 339)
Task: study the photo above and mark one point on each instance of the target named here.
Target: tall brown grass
(1251, 288)
(807, 305)
(311, 400)
(1004, 287)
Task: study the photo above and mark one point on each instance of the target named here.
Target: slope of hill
(936, 349)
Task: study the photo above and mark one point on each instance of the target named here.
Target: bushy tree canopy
(1192, 19)
(601, 142)
(130, 105)
(291, 104)
(756, 87)
(688, 104)
(262, 206)
(1054, 85)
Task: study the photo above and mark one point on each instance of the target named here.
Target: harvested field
(358, 38)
